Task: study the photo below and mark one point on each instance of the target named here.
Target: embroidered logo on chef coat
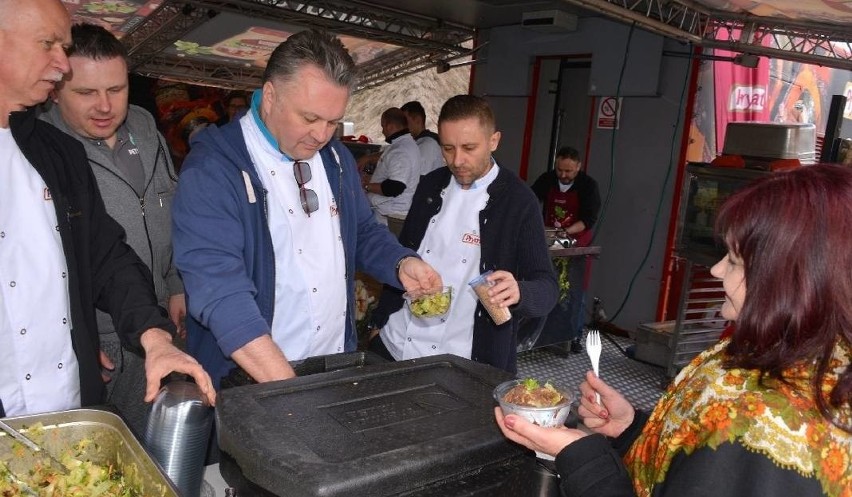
(470, 238)
(47, 196)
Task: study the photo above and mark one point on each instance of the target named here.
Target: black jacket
(512, 239)
(103, 271)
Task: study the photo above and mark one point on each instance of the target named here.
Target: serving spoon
(28, 442)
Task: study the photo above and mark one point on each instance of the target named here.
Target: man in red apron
(571, 198)
(571, 202)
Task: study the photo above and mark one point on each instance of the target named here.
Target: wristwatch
(367, 187)
(399, 263)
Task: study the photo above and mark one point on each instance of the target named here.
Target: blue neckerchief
(255, 113)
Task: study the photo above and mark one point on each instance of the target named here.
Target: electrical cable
(662, 195)
(611, 186)
(595, 318)
(616, 344)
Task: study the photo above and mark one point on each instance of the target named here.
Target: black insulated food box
(410, 428)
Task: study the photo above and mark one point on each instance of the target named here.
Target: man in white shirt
(427, 140)
(61, 255)
(391, 186)
(466, 219)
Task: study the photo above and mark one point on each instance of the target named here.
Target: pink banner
(741, 93)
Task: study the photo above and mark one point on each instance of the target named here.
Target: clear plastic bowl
(418, 303)
(547, 417)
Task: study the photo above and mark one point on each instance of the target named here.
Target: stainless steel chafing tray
(113, 443)
(771, 140)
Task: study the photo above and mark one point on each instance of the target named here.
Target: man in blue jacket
(271, 223)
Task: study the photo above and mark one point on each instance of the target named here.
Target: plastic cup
(178, 430)
(481, 285)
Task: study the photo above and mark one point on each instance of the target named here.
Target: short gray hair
(313, 47)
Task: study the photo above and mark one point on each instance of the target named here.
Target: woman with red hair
(767, 411)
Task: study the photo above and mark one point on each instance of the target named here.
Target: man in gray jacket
(135, 175)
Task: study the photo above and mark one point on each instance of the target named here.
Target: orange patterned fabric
(708, 405)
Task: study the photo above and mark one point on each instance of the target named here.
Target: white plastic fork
(593, 348)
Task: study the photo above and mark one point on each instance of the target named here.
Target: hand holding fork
(593, 349)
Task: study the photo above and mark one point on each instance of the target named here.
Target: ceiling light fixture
(443, 66)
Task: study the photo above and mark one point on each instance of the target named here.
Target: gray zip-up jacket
(147, 220)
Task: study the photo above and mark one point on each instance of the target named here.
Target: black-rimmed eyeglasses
(302, 172)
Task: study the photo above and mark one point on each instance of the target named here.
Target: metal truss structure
(423, 41)
(201, 72)
(688, 21)
(160, 30)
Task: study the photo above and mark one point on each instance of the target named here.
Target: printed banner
(741, 92)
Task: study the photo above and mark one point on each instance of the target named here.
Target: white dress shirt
(38, 367)
(400, 162)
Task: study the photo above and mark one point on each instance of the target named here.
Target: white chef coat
(431, 157)
(310, 277)
(400, 162)
(38, 367)
(451, 246)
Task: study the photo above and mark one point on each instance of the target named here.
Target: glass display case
(705, 187)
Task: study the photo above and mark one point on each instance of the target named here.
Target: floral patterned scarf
(708, 405)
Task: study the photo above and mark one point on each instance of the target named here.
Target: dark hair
(237, 94)
(414, 108)
(94, 42)
(568, 153)
(394, 116)
(467, 106)
(793, 232)
(314, 47)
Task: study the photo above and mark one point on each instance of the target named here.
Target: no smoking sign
(609, 112)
